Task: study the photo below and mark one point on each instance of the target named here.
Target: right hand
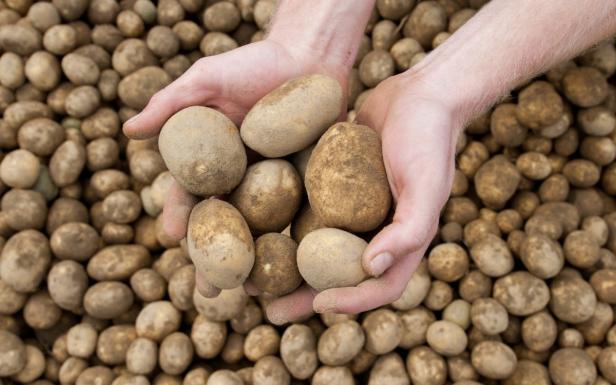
(232, 83)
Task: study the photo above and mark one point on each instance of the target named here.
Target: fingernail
(380, 263)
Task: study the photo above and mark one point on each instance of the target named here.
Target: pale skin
(418, 114)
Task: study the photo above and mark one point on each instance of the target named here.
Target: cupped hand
(418, 133)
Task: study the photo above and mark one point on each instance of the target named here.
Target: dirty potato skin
(275, 268)
(329, 258)
(203, 150)
(298, 350)
(269, 195)
(220, 243)
(293, 116)
(345, 178)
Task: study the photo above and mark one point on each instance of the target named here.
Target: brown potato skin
(345, 179)
(220, 243)
(275, 268)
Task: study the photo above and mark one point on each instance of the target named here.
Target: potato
(521, 293)
(581, 249)
(67, 283)
(233, 351)
(340, 343)
(20, 169)
(81, 340)
(224, 377)
(492, 256)
(40, 312)
(326, 187)
(40, 136)
(196, 376)
(539, 105)
(181, 287)
(207, 173)
(12, 73)
(595, 329)
(216, 43)
(99, 374)
(74, 240)
(13, 354)
(24, 260)
(157, 320)
(131, 55)
(60, 39)
(80, 70)
(383, 330)
(220, 244)
(534, 165)
(136, 89)
(539, 331)
(448, 262)
(585, 86)
(424, 366)
(496, 182)
(606, 361)
(67, 162)
(601, 281)
(11, 301)
(581, 173)
(446, 338)
(43, 16)
(394, 9)
(261, 341)
(208, 337)
(21, 39)
(416, 289)
(188, 33)
(221, 17)
(493, 359)
(269, 195)
(107, 300)
(305, 222)
(425, 22)
(571, 366)
(333, 375)
(505, 127)
(247, 318)
(489, 316)
(375, 67)
(226, 306)
(35, 365)
(175, 353)
(324, 262)
(123, 206)
(129, 23)
(389, 369)
(270, 370)
(298, 350)
(114, 342)
(573, 299)
(275, 269)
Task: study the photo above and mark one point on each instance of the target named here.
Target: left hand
(418, 132)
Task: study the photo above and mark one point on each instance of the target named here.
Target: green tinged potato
(329, 258)
(203, 150)
(345, 178)
(220, 244)
(293, 116)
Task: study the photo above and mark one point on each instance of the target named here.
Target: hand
(231, 83)
(418, 134)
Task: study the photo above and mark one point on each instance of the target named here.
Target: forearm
(329, 30)
(508, 42)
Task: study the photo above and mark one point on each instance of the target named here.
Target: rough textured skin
(304, 223)
(521, 293)
(220, 244)
(329, 258)
(109, 299)
(494, 359)
(340, 343)
(496, 181)
(275, 268)
(118, 262)
(573, 299)
(203, 150)
(539, 105)
(424, 366)
(12, 354)
(136, 89)
(541, 256)
(571, 366)
(298, 351)
(292, 116)
(383, 330)
(227, 305)
(74, 240)
(269, 195)
(24, 260)
(67, 283)
(529, 373)
(345, 179)
(389, 370)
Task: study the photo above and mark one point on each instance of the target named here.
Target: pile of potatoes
(518, 287)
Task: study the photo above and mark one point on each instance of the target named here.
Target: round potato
(275, 269)
(298, 350)
(340, 343)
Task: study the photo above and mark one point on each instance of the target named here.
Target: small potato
(542, 256)
(339, 375)
(597, 121)
(99, 374)
(416, 289)
(394, 9)
(521, 293)
(529, 372)
(40, 136)
(602, 284)
(539, 331)
(20, 169)
(224, 377)
(261, 341)
(493, 359)
(585, 86)
(34, 367)
(534, 165)
(248, 318)
(148, 285)
(71, 369)
(389, 369)
(269, 195)
(107, 300)
(329, 258)
(40, 312)
(202, 165)
(157, 320)
(74, 240)
(221, 17)
(320, 98)
(606, 361)
(383, 331)
(105, 182)
(24, 260)
(566, 213)
(220, 244)
(539, 105)
(233, 351)
(496, 182)
(122, 206)
(581, 173)
(304, 223)
(460, 210)
(596, 328)
(573, 299)
(175, 353)
(375, 67)
(131, 55)
(67, 283)
(415, 323)
(113, 343)
(136, 89)
(571, 366)
(581, 249)
(505, 127)
(298, 350)
(489, 316)
(60, 39)
(208, 337)
(129, 23)
(118, 262)
(425, 22)
(13, 354)
(275, 269)
(181, 287)
(67, 162)
(80, 70)
(439, 296)
(102, 153)
(424, 366)
(12, 67)
(81, 340)
(23, 209)
(332, 196)
(226, 306)
(340, 343)
(216, 43)
(446, 338)
(11, 301)
(492, 256)
(448, 262)
(188, 33)
(170, 261)
(270, 370)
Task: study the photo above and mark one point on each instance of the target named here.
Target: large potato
(220, 244)
(329, 258)
(203, 150)
(292, 116)
(269, 195)
(345, 178)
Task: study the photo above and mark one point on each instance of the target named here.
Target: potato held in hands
(203, 150)
(220, 243)
(346, 180)
(293, 116)
(329, 258)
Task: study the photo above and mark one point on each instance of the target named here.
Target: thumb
(194, 87)
(414, 224)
